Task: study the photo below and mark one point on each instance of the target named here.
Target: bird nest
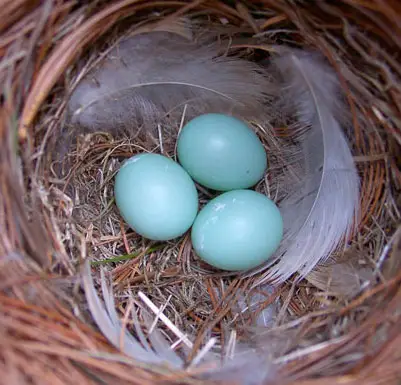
(339, 323)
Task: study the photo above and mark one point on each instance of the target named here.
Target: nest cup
(57, 211)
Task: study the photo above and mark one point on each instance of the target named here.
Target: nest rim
(378, 171)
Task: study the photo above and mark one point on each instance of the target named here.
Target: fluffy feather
(344, 278)
(147, 80)
(108, 322)
(254, 303)
(319, 186)
(250, 364)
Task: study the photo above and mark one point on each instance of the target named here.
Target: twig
(152, 327)
(209, 345)
(179, 131)
(165, 320)
(159, 130)
(124, 323)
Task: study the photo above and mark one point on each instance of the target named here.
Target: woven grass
(51, 224)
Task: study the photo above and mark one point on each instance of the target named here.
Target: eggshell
(156, 196)
(238, 230)
(221, 152)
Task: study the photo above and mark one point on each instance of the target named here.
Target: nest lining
(169, 273)
(201, 302)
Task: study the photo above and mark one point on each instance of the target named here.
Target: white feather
(253, 300)
(147, 80)
(320, 203)
(109, 324)
(251, 365)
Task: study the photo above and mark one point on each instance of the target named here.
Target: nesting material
(315, 182)
(311, 176)
(86, 300)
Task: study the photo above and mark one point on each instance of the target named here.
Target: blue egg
(221, 152)
(238, 230)
(156, 196)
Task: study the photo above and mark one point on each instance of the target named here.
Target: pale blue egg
(221, 152)
(238, 230)
(156, 196)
